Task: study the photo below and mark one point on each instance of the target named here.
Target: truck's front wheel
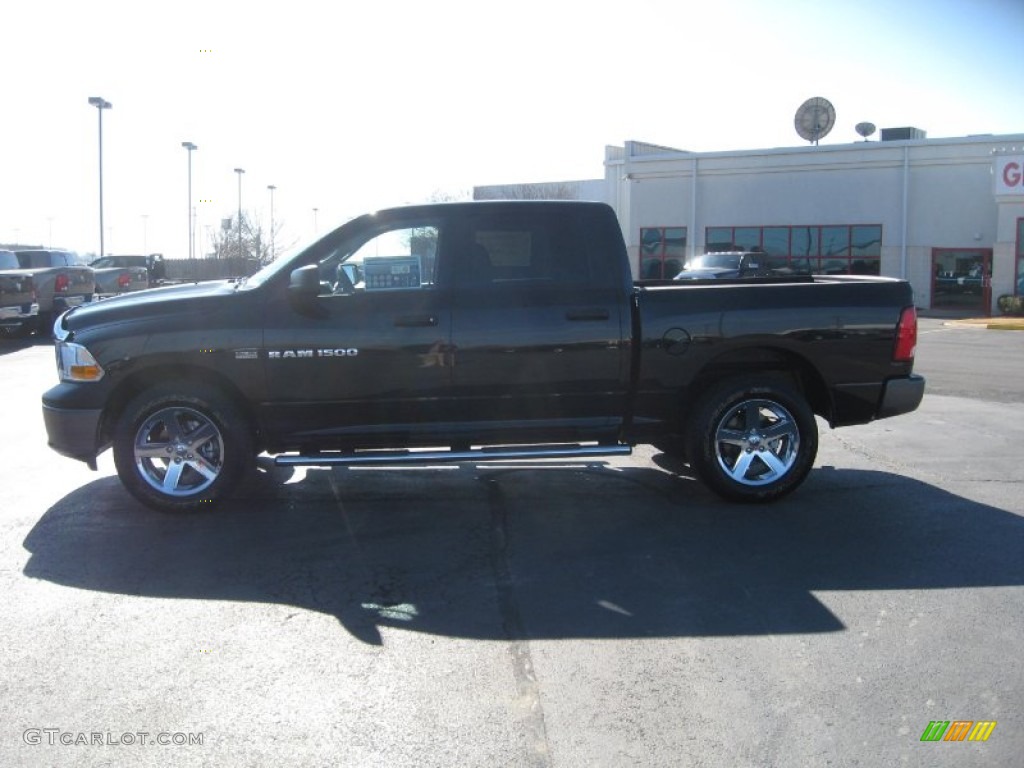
(179, 452)
(752, 439)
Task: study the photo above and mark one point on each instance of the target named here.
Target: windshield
(716, 261)
(8, 260)
(298, 255)
(34, 259)
(103, 263)
(287, 260)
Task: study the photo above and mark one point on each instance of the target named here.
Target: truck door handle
(583, 315)
(415, 321)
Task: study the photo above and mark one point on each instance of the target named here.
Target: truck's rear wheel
(752, 439)
(178, 452)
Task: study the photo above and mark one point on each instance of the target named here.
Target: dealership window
(831, 250)
(662, 252)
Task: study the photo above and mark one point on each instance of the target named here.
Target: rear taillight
(61, 283)
(123, 281)
(906, 336)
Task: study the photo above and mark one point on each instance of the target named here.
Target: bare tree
(255, 240)
(545, 190)
(450, 196)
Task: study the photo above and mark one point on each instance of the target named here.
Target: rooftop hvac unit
(902, 134)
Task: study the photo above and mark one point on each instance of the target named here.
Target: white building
(946, 214)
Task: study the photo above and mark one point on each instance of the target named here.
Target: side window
(401, 259)
(549, 249)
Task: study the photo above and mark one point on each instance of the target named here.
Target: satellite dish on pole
(814, 119)
(865, 129)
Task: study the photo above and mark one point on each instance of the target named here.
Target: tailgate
(138, 279)
(116, 280)
(82, 282)
(16, 290)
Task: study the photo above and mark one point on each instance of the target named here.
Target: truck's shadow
(563, 552)
(10, 344)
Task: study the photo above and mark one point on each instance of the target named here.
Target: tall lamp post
(100, 103)
(191, 227)
(271, 187)
(240, 171)
(314, 220)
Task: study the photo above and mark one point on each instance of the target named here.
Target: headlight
(75, 363)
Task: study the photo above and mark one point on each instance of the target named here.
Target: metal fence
(209, 269)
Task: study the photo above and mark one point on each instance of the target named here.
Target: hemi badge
(247, 354)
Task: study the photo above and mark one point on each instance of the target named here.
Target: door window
(959, 278)
(402, 259)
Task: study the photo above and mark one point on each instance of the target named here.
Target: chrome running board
(503, 453)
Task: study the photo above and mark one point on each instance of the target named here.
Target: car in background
(62, 280)
(19, 305)
(153, 263)
(725, 265)
(120, 274)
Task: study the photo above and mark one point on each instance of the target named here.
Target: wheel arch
(769, 360)
(140, 381)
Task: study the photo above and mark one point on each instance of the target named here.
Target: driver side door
(368, 362)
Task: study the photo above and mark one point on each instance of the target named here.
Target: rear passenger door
(539, 324)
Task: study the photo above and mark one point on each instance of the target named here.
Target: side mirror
(305, 282)
(304, 287)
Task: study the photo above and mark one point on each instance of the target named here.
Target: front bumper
(74, 432)
(901, 395)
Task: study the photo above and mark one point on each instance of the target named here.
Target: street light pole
(314, 220)
(271, 187)
(191, 233)
(100, 103)
(240, 171)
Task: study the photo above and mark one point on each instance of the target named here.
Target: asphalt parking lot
(558, 614)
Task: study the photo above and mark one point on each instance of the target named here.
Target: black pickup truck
(469, 332)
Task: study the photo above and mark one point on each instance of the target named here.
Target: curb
(987, 323)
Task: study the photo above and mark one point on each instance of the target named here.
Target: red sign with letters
(1009, 175)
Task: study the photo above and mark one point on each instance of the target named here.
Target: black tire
(180, 452)
(752, 438)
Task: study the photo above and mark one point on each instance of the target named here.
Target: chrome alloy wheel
(757, 442)
(179, 451)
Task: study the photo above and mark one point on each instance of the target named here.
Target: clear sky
(351, 106)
